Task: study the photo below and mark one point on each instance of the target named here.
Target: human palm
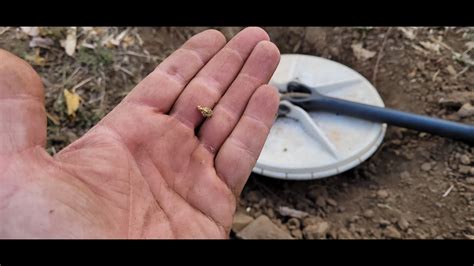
(154, 167)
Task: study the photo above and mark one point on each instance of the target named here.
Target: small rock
(470, 180)
(240, 221)
(352, 228)
(464, 169)
(405, 175)
(296, 233)
(316, 231)
(470, 228)
(263, 228)
(286, 211)
(382, 194)
(471, 171)
(426, 167)
(331, 202)
(315, 193)
(451, 70)
(465, 159)
(293, 223)
(321, 201)
(392, 232)
(344, 234)
(369, 214)
(311, 221)
(354, 219)
(403, 223)
(384, 222)
(341, 209)
(420, 65)
(449, 103)
(466, 110)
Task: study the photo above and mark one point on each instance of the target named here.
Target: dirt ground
(415, 186)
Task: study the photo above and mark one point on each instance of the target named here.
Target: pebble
(382, 194)
(403, 223)
(471, 172)
(311, 221)
(341, 209)
(321, 201)
(263, 228)
(384, 222)
(344, 234)
(426, 167)
(354, 219)
(316, 231)
(466, 110)
(405, 175)
(369, 214)
(464, 169)
(391, 232)
(286, 211)
(331, 202)
(465, 159)
(470, 180)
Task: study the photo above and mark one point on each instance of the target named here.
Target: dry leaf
(36, 59)
(128, 41)
(110, 41)
(72, 102)
(71, 40)
(430, 46)
(31, 31)
(469, 45)
(41, 42)
(361, 53)
(408, 33)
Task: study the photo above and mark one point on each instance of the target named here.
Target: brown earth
(415, 186)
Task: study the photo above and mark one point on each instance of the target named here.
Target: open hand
(154, 167)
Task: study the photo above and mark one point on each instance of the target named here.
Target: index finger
(161, 88)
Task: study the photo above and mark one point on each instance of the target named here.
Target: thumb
(22, 112)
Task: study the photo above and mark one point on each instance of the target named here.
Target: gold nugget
(205, 111)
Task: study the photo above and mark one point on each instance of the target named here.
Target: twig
(435, 75)
(379, 57)
(70, 78)
(126, 71)
(447, 191)
(82, 83)
(462, 72)
(134, 54)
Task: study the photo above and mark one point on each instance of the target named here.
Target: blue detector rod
(309, 99)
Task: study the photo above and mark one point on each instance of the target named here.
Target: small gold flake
(205, 111)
